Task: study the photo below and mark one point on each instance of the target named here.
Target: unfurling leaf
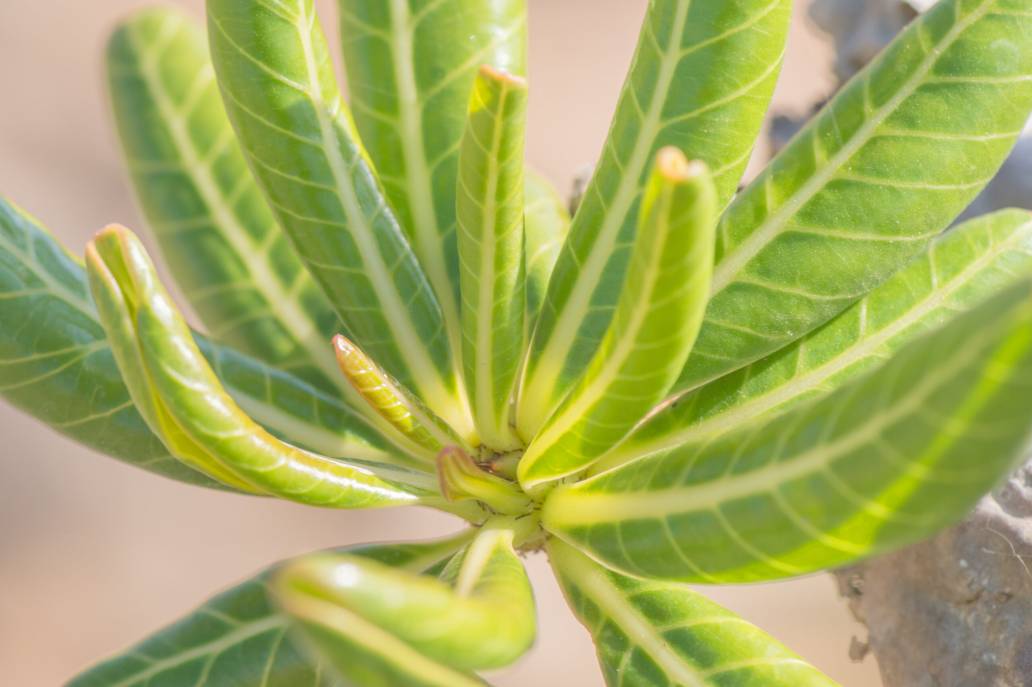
(184, 403)
(378, 625)
(652, 332)
(490, 210)
(240, 638)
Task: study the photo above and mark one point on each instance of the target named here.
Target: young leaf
(652, 332)
(960, 269)
(547, 222)
(228, 255)
(389, 399)
(240, 638)
(382, 626)
(701, 80)
(887, 165)
(184, 403)
(653, 633)
(882, 461)
(410, 67)
(490, 216)
(276, 76)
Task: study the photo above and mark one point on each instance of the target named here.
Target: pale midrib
(540, 388)
(578, 409)
(490, 413)
(297, 324)
(639, 630)
(475, 562)
(586, 508)
(737, 415)
(729, 267)
(409, 343)
(428, 235)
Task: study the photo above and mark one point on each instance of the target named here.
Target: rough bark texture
(954, 611)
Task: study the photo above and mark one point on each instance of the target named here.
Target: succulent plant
(679, 385)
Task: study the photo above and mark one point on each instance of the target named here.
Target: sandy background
(94, 554)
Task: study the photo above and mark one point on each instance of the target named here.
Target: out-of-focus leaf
(656, 322)
(222, 243)
(885, 167)
(380, 626)
(962, 268)
(546, 225)
(664, 634)
(701, 80)
(882, 461)
(274, 68)
(410, 67)
(491, 259)
(184, 403)
(240, 638)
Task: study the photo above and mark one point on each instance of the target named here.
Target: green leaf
(701, 80)
(546, 224)
(960, 269)
(222, 243)
(656, 321)
(490, 214)
(276, 76)
(882, 461)
(184, 403)
(55, 363)
(887, 165)
(410, 68)
(383, 626)
(240, 638)
(655, 634)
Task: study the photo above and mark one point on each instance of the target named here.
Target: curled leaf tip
(508, 78)
(675, 166)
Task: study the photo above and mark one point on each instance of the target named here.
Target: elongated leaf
(383, 626)
(884, 460)
(654, 634)
(410, 67)
(240, 638)
(546, 224)
(656, 322)
(490, 214)
(701, 80)
(231, 259)
(273, 66)
(182, 400)
(887, 165)
(962, 268)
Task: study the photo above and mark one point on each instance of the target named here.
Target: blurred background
(94, 554)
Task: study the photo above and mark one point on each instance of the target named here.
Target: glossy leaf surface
(184, 403)
(960, 269)
(490, 209)
(276, 76)
(882, 461)
(410, 67)
(701, 80)
(240, 638)
(216, 232)
(656, 322)
(664, 634)
(546, 224)
(383, 626)
(886, 166)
